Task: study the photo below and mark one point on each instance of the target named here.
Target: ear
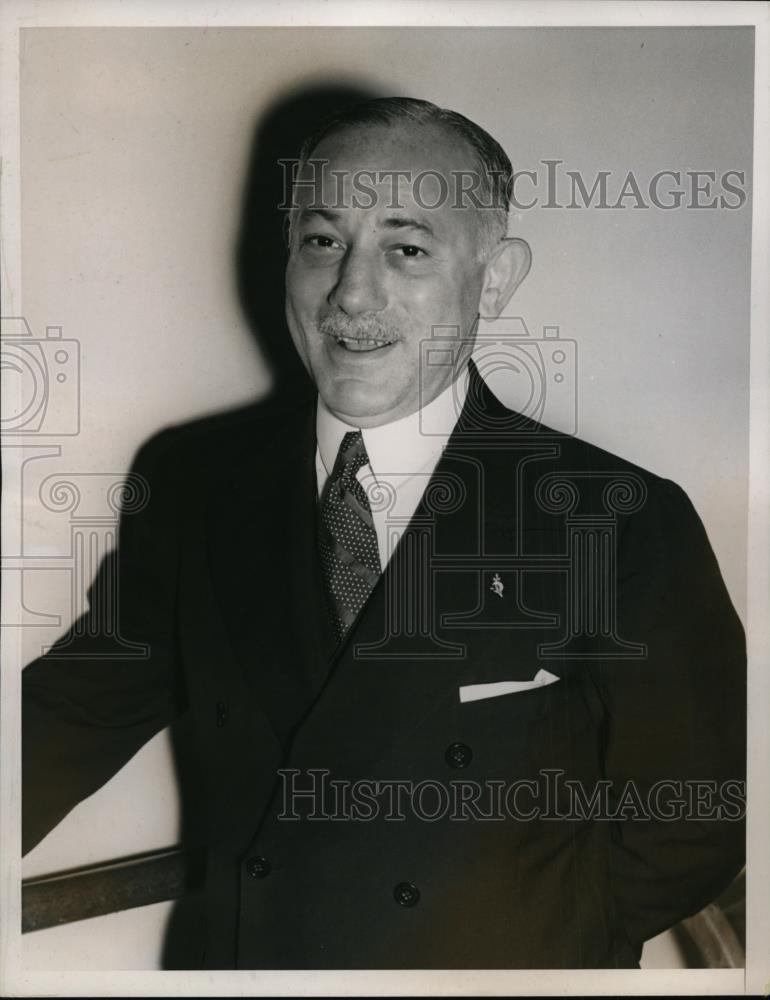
(507, 267)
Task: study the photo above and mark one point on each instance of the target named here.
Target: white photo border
(14, 979)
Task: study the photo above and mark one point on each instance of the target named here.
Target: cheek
(452, 302)
(306, 289)
(467, 288)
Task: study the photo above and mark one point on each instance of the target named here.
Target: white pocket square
(475, 692)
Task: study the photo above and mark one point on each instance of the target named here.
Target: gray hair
(492, 162)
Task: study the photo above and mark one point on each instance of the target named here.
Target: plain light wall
(134, 149)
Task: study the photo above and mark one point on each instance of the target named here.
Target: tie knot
(351, 456)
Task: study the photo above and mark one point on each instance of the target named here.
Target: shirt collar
(404, 446)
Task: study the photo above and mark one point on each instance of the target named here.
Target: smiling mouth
(361, 344)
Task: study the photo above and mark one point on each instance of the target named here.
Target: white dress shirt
(402, 457)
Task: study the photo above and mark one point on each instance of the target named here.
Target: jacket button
(458, 755)
(406, 894)
(258, 867)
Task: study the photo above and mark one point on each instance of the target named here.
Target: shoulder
(209, 445)
(507, 438)
(653, 516)
(606, 470)
(182, 466)
(519, 444)
(559, 478)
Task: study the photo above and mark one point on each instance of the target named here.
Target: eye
(409, 250)
(320, 242)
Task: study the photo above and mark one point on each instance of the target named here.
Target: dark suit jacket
(609, 584)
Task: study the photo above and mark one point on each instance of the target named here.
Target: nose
(359, 285)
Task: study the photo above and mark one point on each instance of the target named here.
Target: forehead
(407, 167)
(401, 145)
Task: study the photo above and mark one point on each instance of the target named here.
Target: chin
(361, 405)
(359, 412)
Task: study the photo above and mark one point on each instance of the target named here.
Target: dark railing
(715, 938)
(712, 939)
(95, 890)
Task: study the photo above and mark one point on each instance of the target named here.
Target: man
(396, 593)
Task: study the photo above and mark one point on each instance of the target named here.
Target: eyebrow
(406, 222)
(391, 222)
(324, 213)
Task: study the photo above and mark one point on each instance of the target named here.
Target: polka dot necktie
(347, 541)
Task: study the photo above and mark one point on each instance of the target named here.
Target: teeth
(362, 342)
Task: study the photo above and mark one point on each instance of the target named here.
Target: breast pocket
(522, 733)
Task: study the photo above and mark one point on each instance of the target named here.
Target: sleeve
(676, 721)
(89, 704)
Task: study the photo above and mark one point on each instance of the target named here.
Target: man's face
(366, 285)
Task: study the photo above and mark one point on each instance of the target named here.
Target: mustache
(358, 328)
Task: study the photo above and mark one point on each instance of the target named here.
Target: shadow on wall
(260, 252)
(260, 262)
